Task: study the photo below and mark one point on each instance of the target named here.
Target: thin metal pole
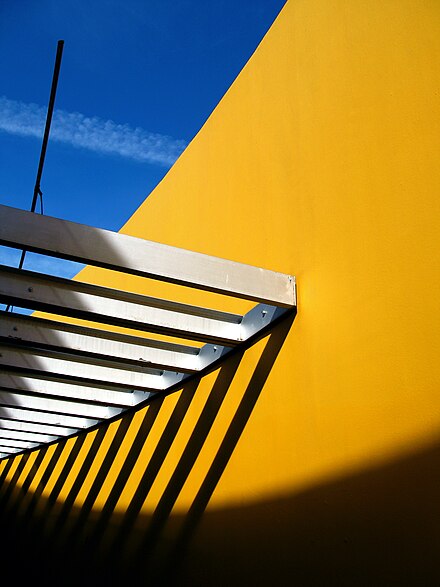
(53, 92)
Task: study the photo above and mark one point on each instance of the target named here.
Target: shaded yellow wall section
(320, 161)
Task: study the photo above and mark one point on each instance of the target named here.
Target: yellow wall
(320, 161)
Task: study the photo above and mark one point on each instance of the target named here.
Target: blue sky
(138, 80)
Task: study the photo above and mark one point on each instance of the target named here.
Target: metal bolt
(15, 329)
(263, 313)
(30, 289)
(214, 349)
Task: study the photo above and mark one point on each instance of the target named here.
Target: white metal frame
(58, 379)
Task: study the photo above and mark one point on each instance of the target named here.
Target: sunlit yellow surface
(320, 161)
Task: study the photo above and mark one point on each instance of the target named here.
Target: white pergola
(58, 379)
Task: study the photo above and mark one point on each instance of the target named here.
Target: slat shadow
(104, 545)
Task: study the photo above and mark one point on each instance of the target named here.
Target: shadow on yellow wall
(376, 527)
(69, 544)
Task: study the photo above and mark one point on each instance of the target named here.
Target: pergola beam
(120, 252)
(26, 436)
(41, 417)
(87, 342)
(98, 304)
(8, 450)
(19, 424)
(13, 443)
(38, 361)
(44, 404)
(62, 389)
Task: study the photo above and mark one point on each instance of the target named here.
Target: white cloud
(93, 133)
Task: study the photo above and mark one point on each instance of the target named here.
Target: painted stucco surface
(321, 161)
